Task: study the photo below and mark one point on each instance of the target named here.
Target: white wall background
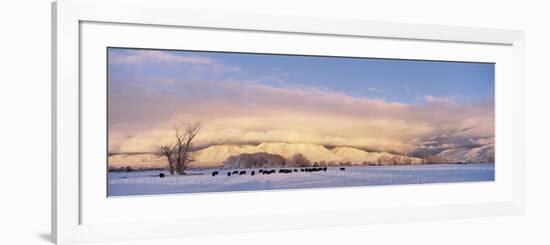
(25, 122)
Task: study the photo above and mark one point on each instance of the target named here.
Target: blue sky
(405, 81)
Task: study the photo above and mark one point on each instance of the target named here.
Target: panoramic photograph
(201, 121)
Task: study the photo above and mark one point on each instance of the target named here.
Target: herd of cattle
(273, 171)
(268, 172)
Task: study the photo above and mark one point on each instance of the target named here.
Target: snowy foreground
(148, 182)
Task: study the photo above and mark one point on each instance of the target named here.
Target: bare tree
(407, 160)
(178, 154)
(396, 160)
(169, 151)
(300, 160)
(185, 134)
(384, 160)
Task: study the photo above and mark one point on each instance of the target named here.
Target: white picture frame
(70, 199)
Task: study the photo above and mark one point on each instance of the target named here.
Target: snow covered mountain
(215, 155)
(484, 153)
(358, 156)
(313, 152)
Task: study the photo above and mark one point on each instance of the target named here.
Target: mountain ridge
(215, 155)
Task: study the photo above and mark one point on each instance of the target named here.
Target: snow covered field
(148, 182)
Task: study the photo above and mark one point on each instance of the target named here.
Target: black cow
(314, 169)
(228, 173)
(325, 169)
(214, 173)
(295, 170)
(342, 169)
(161, 175)
(268, 171)
(252, 173)
(242, 172)
(285, 171)
(235, 172)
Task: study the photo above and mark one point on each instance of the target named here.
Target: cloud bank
(142, 114)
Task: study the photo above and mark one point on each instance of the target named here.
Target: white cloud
(133, 57)
(374, 89)
(435, 99)
(142, 56)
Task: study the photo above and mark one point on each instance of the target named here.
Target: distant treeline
(267, 160)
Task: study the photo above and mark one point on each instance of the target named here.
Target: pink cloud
(247, 111)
